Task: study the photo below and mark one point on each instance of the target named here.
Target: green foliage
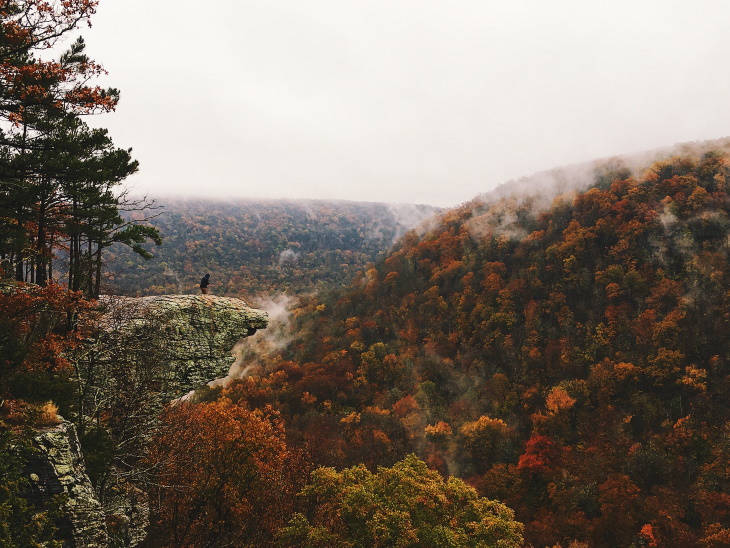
(99, 448)
(38, 386)
(22, 524)
(405, 505)
(136, 235)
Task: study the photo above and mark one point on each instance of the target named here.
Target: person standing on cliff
(204, 281)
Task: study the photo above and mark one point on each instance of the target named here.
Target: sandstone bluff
(58, 469)
(173, 344)
(191, 335)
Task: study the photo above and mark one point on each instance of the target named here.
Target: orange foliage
(572, 361)
(219, 475)
(35, 333)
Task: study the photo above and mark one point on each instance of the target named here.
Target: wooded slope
(257, 246)
(572, 362)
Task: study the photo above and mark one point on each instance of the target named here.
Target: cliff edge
(191, 335)
(58, 469)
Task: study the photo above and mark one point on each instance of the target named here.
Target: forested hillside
(546, 365)
(572, 361)
(261, 246)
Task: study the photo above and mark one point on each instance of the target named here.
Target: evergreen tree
(59, 179)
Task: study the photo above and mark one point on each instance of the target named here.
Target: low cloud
(253, 353)
(288, 256)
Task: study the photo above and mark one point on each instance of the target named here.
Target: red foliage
(542, 455)
(34, 327)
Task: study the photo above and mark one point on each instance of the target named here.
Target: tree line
(255, 247)
(60, 194)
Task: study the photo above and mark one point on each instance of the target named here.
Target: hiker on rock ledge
(204, 281)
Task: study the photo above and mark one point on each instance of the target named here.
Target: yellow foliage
(439, 431)
(48, 415)
(695, 378)
(352, 418)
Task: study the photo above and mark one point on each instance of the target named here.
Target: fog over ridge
(398, 101)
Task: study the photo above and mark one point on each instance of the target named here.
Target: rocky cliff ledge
(140, 354)
(192, 334)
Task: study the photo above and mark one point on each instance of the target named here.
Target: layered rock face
(191, 335)
(58, 469)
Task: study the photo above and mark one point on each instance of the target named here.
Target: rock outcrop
(147, 352)
(58, 469)
(191, 335)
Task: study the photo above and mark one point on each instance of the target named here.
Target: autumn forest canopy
(570, 362)
(538, 368)
(257, 248)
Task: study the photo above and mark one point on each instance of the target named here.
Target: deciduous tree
(407, 505)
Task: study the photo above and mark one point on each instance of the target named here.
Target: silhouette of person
(204, 281)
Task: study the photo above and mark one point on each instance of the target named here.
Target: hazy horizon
(401, 102)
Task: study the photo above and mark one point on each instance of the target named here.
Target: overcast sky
(402, 101)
